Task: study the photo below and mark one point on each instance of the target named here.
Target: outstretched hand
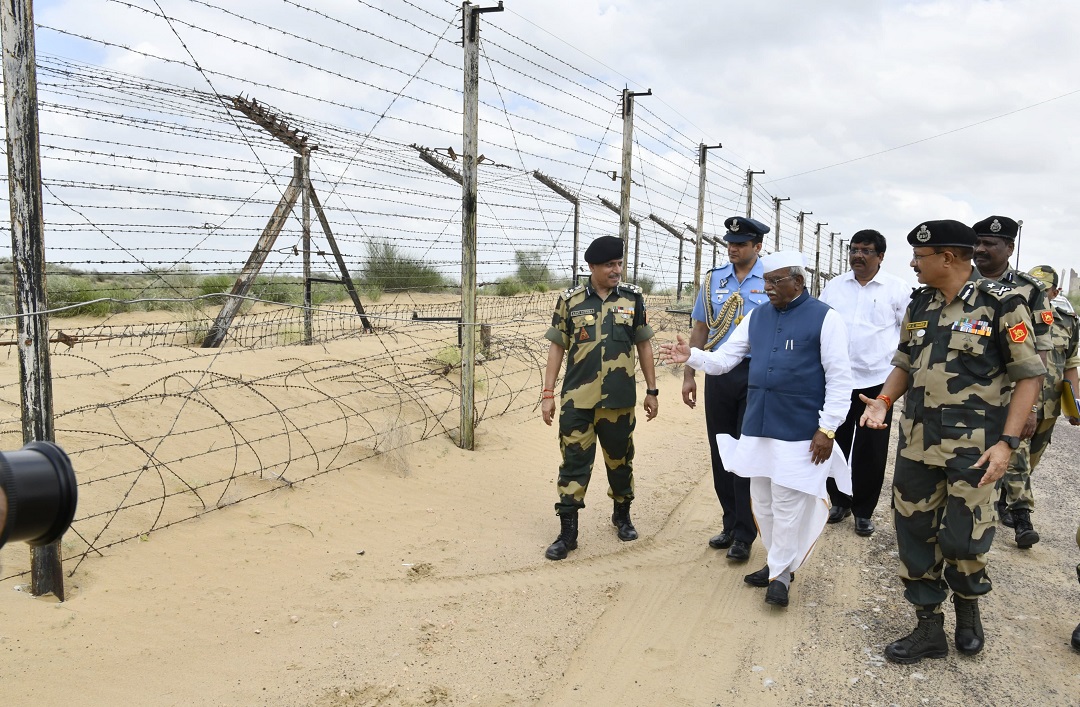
(874, 414)
(678, 352)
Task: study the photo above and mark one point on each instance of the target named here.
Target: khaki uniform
(599, 392)
(1017, 479)
(1064, 335)
(963, 358)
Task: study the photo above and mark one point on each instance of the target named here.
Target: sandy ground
(418, 578)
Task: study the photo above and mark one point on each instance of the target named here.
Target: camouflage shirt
(1038, 301)
(599, 336)
(963, 358)
(1063, 355)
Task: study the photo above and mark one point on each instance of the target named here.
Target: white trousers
(789, 522)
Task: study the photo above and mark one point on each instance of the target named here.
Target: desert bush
(510, 286)
(67, 290)
(386, 268)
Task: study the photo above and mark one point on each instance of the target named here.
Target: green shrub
(509, 287)
(532, 270)
(214, 284)
(67, 290)
(277, 289)
(646, 284)
(386, 268)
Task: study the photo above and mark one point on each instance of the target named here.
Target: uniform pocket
(970, 351)
(961, 423)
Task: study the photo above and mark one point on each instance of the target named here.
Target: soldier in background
(1061, 365)
(995, 239)
(600, 324)
(1076, 631)
(968, 369)
(728, 293)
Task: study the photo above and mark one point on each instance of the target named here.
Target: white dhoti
(788, 493)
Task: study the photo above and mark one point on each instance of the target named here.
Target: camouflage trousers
(1016, 484)
(944, 528)
(579, 431)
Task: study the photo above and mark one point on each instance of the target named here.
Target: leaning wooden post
(28, 256)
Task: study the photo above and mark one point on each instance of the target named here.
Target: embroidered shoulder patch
(1018, 333)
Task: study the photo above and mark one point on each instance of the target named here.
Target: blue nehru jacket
(787, 381)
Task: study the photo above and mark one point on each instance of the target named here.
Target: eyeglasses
(862, 251)
(774, 281)
(916, 257)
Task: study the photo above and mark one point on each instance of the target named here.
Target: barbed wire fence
(155, 192)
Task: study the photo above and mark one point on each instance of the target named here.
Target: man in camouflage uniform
(994, 243)
(600, 324)
(967, 368)
(1076, 631)
(1061, 365)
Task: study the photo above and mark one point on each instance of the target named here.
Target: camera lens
(41, 493)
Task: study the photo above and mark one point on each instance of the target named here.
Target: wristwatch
(828, 433)
(652, 391)
(1012, 440)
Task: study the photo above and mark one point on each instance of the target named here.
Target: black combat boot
(567, 539)
(1025, 534)
(1004, 513)
(621, 520)
(1076, 631)
(969, 631)
(926, 641)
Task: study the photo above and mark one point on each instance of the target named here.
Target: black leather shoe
(864, 527)
(776, 594)
(761, 577)
(838, 513)
(739, 551)
(722, 541)
(1076, 637)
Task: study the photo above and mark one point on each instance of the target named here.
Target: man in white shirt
(872, 304)
(797, 395)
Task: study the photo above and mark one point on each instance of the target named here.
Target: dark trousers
(725, 404)
(867, 450)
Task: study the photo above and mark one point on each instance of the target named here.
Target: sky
(868, 114)
(885, 91)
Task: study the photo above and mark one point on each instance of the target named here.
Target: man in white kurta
(799, 393)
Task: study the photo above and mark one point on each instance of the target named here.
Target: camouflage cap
(937, 234)
(603, 249)
(998, 226)
(1045, 274)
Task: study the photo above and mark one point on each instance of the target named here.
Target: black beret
(999, 226)
(741, 229)
(603, 249)
(938, 234)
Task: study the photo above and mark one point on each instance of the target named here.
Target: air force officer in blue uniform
(728, 293)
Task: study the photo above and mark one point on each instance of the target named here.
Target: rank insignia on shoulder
(995, 288)
(630, 287)
(1047, 317)
(1018, 333)
(917, 325)
(571, 291)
